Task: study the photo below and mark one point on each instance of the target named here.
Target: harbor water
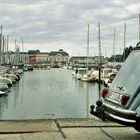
(48, 94)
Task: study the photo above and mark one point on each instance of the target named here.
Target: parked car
(121, 101)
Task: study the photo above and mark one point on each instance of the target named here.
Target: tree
(127, 51)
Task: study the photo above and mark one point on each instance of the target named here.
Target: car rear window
(128, 76)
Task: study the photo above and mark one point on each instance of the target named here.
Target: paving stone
(72, 129)
(85, 134)
(34, 136)
(28, 126)
(122, 133)
(85, 122)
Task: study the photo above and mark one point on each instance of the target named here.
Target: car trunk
(126, 84)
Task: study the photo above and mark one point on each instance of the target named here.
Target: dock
(61, 129)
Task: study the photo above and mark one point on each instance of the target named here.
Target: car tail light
(104, 92)
(124, 99)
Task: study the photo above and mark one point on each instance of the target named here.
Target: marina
(69, 70)
(48, 94)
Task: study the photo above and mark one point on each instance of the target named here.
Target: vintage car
(121, 101)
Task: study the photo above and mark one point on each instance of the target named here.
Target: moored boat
(2, 93)
(89, 77)
(81, 72)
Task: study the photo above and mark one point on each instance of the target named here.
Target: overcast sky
(50, 25)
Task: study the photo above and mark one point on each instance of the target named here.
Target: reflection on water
(48, 94)
(3, 105)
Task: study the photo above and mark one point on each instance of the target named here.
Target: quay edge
(60, 129)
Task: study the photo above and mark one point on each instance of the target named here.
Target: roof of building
(59, 52)
(33, 51)
(43, 53)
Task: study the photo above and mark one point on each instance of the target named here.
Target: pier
(61, 129)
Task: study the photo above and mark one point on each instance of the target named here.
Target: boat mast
(7, 43)
(1, 28)
(22, 52)
(139, 27)
(99, 39)
(124, 41)
(88, 46)
(114, 44)
(3, 47)
(22, 45)
(7, 48)
(15, 62)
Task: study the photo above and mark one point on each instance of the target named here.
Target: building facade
(52, 58)
(59, 57)
(15, 58)
(83, 61)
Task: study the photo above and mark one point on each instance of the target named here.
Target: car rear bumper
(113, 113)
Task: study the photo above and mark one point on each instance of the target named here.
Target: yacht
(81, 72)
(90, 76)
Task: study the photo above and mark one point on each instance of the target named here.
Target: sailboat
(108, 74)
(90, 75)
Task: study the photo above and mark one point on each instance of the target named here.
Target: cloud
(64, 23)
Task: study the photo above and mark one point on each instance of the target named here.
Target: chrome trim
(114, 101)
(118, 109)
(120, 119)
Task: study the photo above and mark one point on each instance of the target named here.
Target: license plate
(115, 96)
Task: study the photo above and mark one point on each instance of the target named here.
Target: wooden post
(99, 37)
